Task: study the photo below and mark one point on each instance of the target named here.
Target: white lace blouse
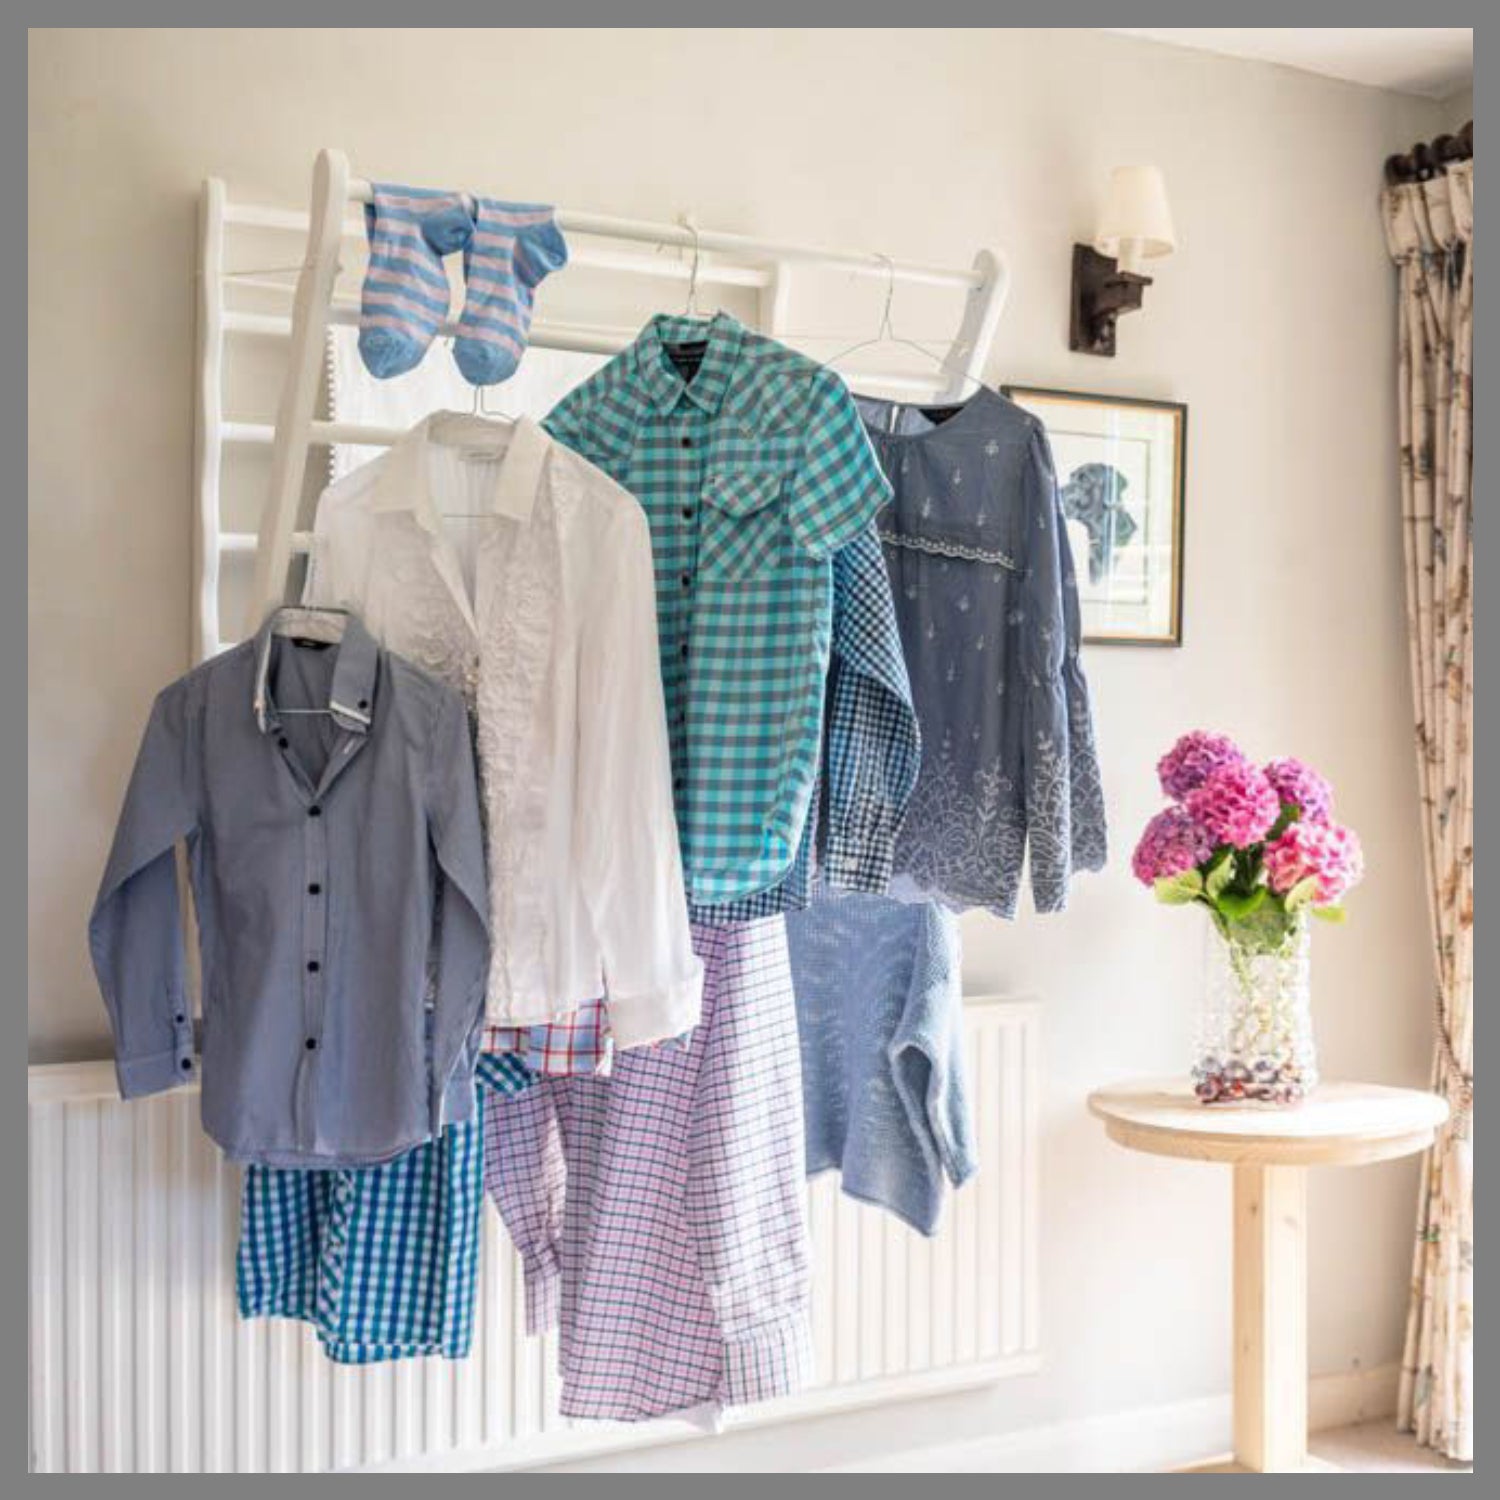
(505, 564)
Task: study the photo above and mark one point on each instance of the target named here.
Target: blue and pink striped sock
(405, 298)
(513, 246)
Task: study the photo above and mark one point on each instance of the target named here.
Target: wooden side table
(1270, 1149)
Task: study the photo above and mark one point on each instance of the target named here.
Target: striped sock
(514, 245)
(405, 298)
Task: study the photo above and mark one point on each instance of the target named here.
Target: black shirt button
(186, 1065)
(687, 442)
(687, 580)
(179, 1018)
(282, 741)
(315, 811)
(364, 702)
(687, 512)
(313, 966)
(684, 650)
(314, 889)
(311, 1044)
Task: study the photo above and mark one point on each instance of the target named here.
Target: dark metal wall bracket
(1101, 292)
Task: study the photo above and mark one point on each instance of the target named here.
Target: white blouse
(508, 566)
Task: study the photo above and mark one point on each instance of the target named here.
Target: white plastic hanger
(328, 623)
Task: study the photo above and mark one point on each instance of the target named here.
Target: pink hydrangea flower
(1327, 851)
(1235, 804)
(1172, 842)
(1193, 759)
(1296, 782)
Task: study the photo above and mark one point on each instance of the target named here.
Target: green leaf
(1179, 890)
(1265, 929)
(1220, 874)
(1333, 914)
(1236, 906)
(1301, 893)
(1288, 815)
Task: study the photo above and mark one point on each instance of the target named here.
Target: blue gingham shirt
(753, 469)
(382, 1262)
(316, 844)
(871, 748)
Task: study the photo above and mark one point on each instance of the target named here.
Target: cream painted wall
(1457, 108)
(1273, 321)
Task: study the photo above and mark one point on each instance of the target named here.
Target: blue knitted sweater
(880, 1019)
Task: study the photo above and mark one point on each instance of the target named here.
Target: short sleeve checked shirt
(753, 468)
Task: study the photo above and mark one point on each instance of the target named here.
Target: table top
(1338, 1124)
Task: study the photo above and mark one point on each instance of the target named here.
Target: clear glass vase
(1255, 1035)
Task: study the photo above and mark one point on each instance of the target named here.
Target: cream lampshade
(1136, 224)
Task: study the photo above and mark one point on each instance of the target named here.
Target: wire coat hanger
(886, 334)
(478, 415)
(690, 307)
(479, 408)
(470, 429)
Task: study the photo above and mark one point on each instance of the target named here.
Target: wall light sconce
(1136, 226)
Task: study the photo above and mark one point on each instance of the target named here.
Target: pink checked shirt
(661, 1212)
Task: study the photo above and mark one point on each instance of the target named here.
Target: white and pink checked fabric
(660, 1212)
(576, 1043)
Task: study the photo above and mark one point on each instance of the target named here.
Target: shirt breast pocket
(745, 531)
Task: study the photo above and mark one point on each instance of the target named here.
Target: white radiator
(139, 1362)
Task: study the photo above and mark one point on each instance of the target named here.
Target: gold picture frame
(1121, 465)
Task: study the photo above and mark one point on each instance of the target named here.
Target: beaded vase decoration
(1255, 1034)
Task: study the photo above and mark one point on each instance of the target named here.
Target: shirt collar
(660, 378)
(404, 479)
(352, 690)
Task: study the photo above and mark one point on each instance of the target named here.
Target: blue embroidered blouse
(987, 601)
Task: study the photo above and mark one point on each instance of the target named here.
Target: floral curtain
(1430, 230)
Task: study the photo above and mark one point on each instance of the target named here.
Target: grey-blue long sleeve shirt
(341, 1019)
(982, 578)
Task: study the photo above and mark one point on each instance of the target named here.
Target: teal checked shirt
(753, 468)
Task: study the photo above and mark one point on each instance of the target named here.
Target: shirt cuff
(543, 1281)
(772, 1358)
(640, 1020)
(862, 850)
(139, 1076)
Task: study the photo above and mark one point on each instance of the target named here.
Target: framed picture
(1121, 471)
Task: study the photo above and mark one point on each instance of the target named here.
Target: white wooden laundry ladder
(764, 265)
